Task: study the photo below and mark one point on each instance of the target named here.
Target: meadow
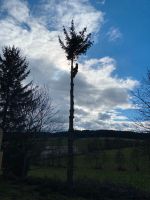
(122, 165)
(104, 160)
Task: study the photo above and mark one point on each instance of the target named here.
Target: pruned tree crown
(76, 43)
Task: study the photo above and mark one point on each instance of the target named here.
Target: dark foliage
(15, 95)
(16, 99)
(76, 43)
(23, 108)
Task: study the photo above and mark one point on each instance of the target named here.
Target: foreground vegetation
(48, 189)
(10, 190)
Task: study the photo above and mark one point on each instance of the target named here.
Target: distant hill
(108, 133)
(83, 134)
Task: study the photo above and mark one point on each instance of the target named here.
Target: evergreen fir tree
(16, 99)
(15, 95)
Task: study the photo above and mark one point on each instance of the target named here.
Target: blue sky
(131, 51)
(112, 68)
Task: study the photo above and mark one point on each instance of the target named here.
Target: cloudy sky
(111, 69)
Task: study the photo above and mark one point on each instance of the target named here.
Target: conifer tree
(16, 98)
(15, 94)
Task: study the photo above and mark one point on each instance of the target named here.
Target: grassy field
(91, 168)
(119, 161)
(98, 162)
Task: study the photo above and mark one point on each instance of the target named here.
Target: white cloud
(97, 89)
(114, 34)
(99, 93)
(17, 9)
(59, 13)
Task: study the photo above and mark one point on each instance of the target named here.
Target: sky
(112, 68)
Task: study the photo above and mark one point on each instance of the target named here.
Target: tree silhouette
(42, 115)
(15, 98)
(75, 45)
(142, 101)
(15, 95)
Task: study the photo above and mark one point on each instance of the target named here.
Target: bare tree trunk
(71, 135)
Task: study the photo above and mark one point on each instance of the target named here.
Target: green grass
(85, 169)
(100, 166)
(138, 180)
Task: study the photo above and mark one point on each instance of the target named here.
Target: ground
(103, 170)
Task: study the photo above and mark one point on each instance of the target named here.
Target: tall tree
(75, 45)
(15, 95)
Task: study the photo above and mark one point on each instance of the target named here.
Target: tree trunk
(71, 135)
(5, 112)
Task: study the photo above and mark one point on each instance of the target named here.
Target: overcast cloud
(99, 92)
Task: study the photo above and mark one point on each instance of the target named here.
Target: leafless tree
(42, 114)
(142, 102)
